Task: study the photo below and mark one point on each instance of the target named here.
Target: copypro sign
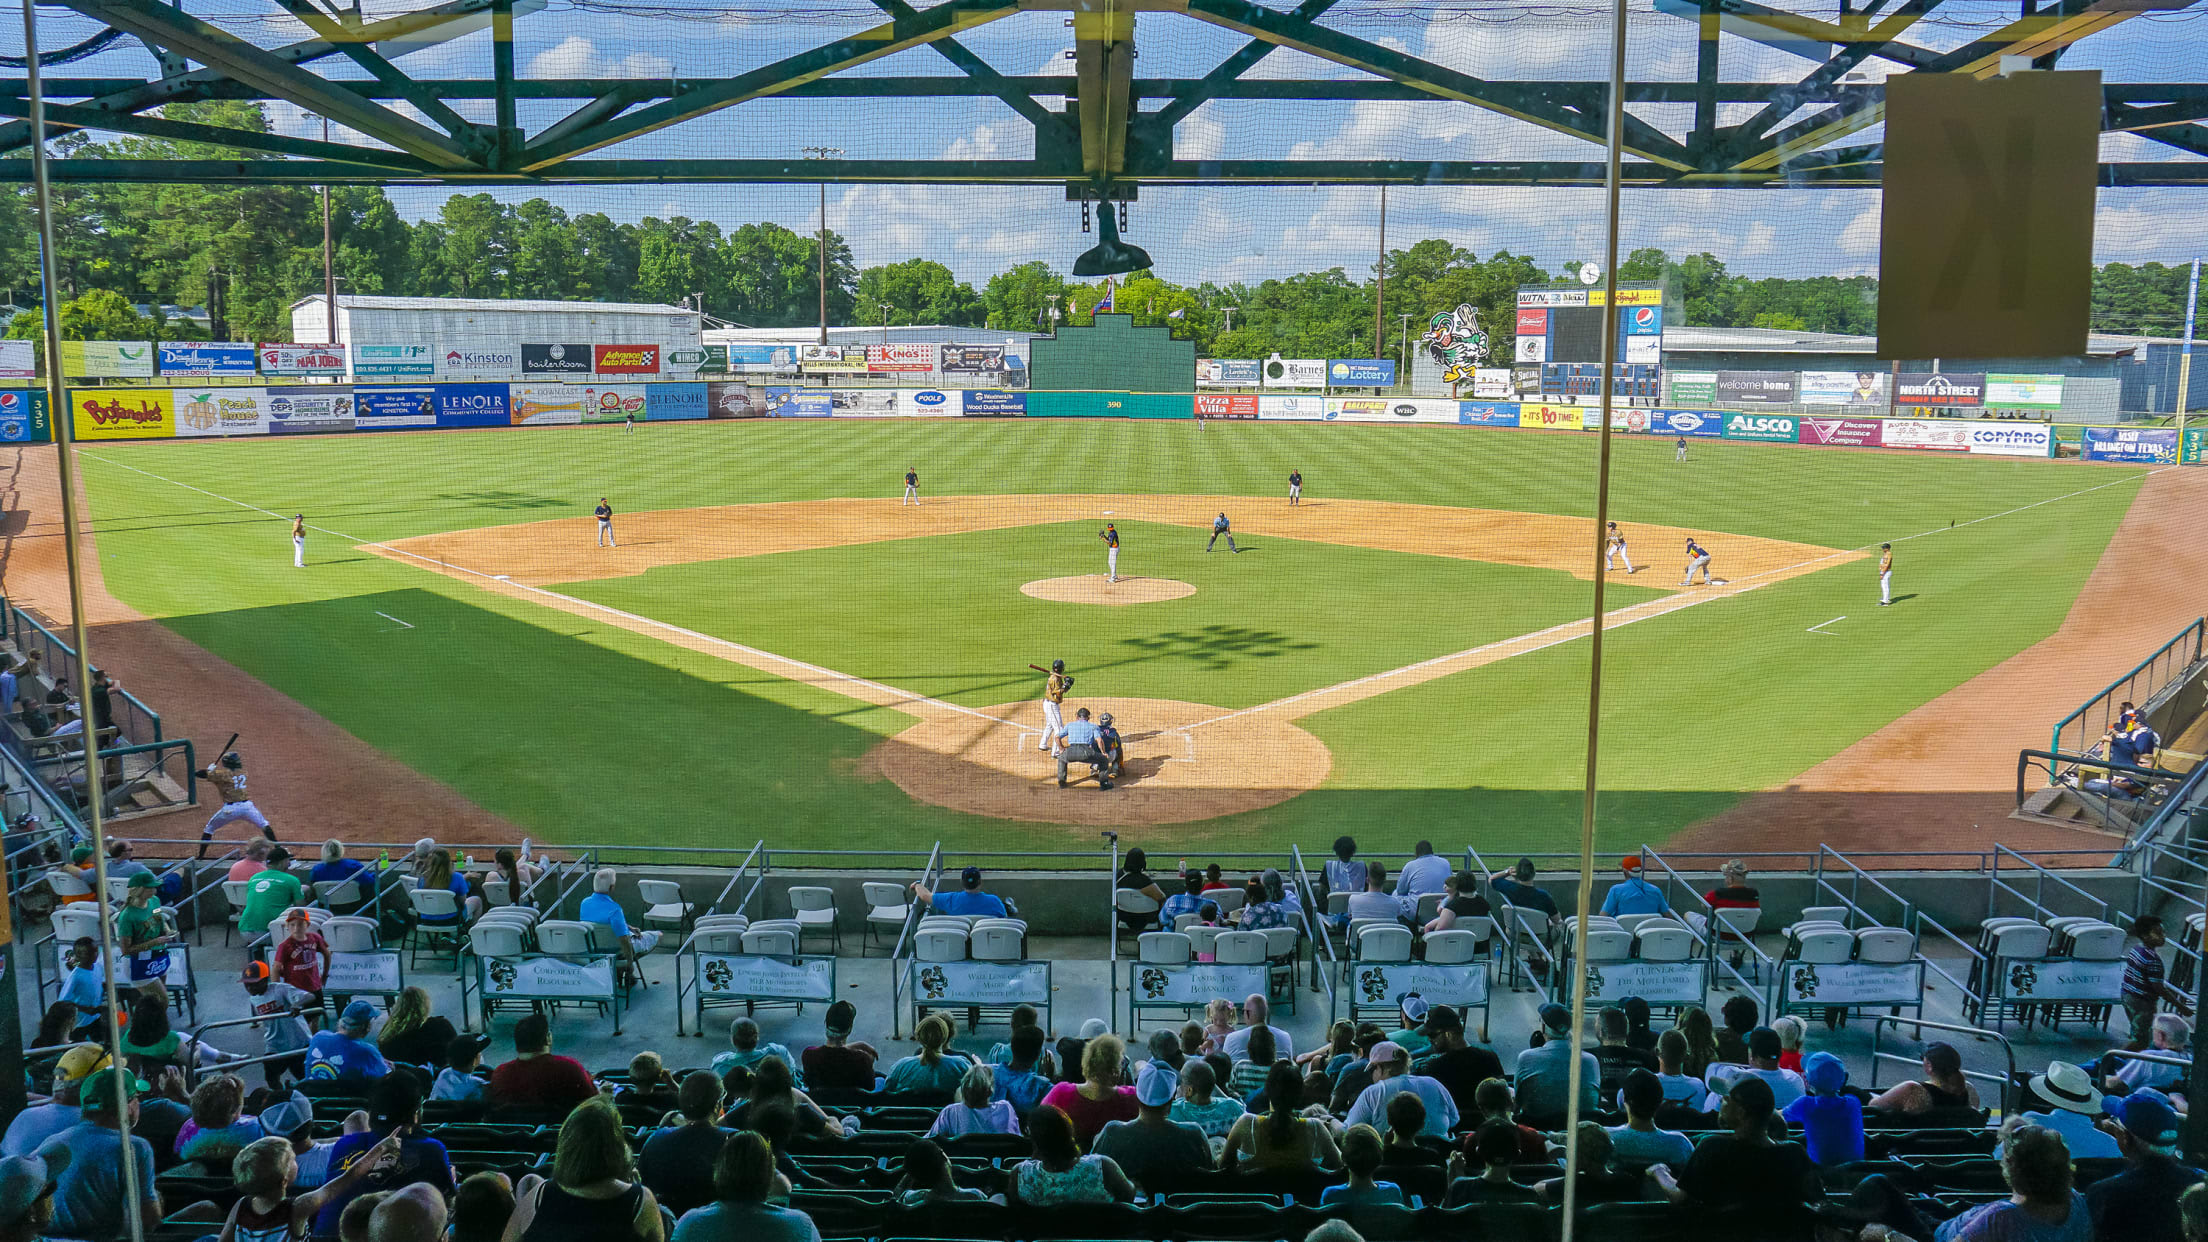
(206, 358)
(1361, 372)
(1777, 428)
(556, 360)
(302, 359)
(625, 359)
(1941, 435)
(2013, 439)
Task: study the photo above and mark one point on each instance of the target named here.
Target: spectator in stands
(1613, 1054)
(1098, 1099)
(1361, 1152)
(1203, 1105)
(252, 858)
(1493, 1148)
(1599, 1181)
(271, 891)
(436, 871)
(1278, 892)
(968, 900)
(2144, 987)
(458, 1080)
(1070, 1048)
(516, 869)
(2140, 1203)
(1280, 1140)
(746, 1050)
(278, 1006)
(1250, 1075)
(394, 1110)
(926, 1178)
(1741, 1017)
(1411, 1036)
(1497, 1103)
(84, 986)
(34, 1125)
(1697, 1048)
(1391, 1076)
(88, 1186)
(1375, 902)
(1399, 1142)
(218, 1130)
(976, 1111)
(481, 1207)
(1791, 1031)
(1134, 874)
(839, 1064)
(150, 1044)
(2043, 1204)
(593, 1194)
(1544, 1073)
(1829, 1118)
(1219, 1019)
(335, 868)
(1426, 872)
(1943, 1086)
(1257, 1012)
(264, 1171)
(27, 1189)
(1001, 1053)
(1021, 1081)
(1343, 873)
(1153, 1150)
(352, 1223)
(774, 1093)
(677, 1162)
(1463, 903)
(1214, 878)
(1763, 1062)
(1734, 894)
(120, 862)
(303, 956)
(1188, 901)
(601, 908)
(1165, 1047)
(345, 1052)
(930, 1070)
(1633, 894)
(2073, 1110)
(1059, 1175)
(1339, 1049)
(1261, 908)
(1639, 1142)
(413, 1213)
(1770, 1182)
(1458, 1065)
(412, 1033)
(537, 1079)
(744, 1182)
(649, 1086)
(2171, 1035)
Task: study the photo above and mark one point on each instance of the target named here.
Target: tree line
(252, 251)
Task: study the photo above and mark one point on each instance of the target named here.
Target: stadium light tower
(824, 153)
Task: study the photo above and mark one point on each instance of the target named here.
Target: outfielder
(1680, 453)
(298, 541)
(1885, 574)
(912, 486)
(228, 775)
(1698, 557)
(1054, 698)
(1110, 536)
(1615, 549)
(1295, 487)
(1220, 526)
(604, 514)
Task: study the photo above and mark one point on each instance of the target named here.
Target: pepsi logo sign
(1644, 316)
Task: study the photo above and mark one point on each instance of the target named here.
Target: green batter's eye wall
(1113, 355)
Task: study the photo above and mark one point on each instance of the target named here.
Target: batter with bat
(227, 774)
(1055, 687)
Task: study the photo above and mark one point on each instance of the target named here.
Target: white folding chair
(1821, 914)
(1282, 945)
(1384, 942)
(1204, 939)
(1884, 945)
(1239, 948)
(447, 934)
(1454, 947)
(496, 891)
(1182, 922)
(1132, 902)
(1164, 949)
(498, 938)
(339, 893)
(939, 944)
(814, 911)
(994, 941)
(76, 921)
(565, 938)
(1632, 922)
(664, 906)
(233, 892)
(352, 934)
(2100, 942)
(1673, 943)
(771, 941)
(1429, 906)
(1609, 944)
(720, 940)
(886, 908)
(1821, 945)
(1228, 900)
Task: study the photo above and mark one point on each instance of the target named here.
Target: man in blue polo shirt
(969, 900)
(1080, 736)
(1633, 895)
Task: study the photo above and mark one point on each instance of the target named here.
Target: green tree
(918, 291)
(1018, 299)
(774, 277)
(478, 249)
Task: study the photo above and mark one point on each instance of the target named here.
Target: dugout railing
(136, 721)
(2004, 1083)
(2169, 665)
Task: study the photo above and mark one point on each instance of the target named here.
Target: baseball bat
(227, 745)
(1038, 668)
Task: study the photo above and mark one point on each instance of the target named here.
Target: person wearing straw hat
(2074, 1110)
(88, 1191)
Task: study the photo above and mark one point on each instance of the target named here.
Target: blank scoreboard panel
(1575, 333)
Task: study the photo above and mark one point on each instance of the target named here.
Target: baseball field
(781, 648)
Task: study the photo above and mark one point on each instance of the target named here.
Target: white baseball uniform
(1616, 550)
(299, 551)
(1054, 722)
(232, 812)
(1111, 564)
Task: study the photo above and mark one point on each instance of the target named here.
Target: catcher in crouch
(228, 775)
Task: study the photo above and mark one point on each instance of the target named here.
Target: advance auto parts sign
(625, 359)
(1779, 428)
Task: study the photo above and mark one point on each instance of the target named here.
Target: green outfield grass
(536, 714)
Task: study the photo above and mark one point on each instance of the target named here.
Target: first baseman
(1220, 526)
(1698, 557)
(228, 775)
(1885, 574)
(912, 486)
(299, 540)
(1054, 698)
(1615, 549)
(1295, 487)
(1110, 536)
(604, 514)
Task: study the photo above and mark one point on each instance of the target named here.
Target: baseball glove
(1069, 683)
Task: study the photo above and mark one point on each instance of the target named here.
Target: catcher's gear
(1057, 666)
(1105, 719)
(232, 761)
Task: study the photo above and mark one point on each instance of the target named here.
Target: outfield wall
(184, 413)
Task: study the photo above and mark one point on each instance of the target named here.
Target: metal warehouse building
(491, 326)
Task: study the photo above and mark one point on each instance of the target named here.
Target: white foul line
(1819, 628)
(388, 617)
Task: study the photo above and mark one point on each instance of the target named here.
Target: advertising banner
(1805, 984)
(394, 362)
(994, 403)
(1642, 320)
(1294, 372)
(204, 358)
(1196, 984)
(1228, 373)
(281, 359)
(472, 405)
(221, 411)
(1361, 372)
(734, 399)
(1686, 423)
(767, 978)
(18, 360)
(1551, 417)
(1843, 388)
(1379, 984)
(1755, 388)
(674, 401)
(629, 359)
(612, 403)
(1226, 405)
(1627, 297)
(1533, 349)
(546, 405)
(931, 402)
(1493, 384)
(1778, 428)
(1841, 432)
(2196, 444)
(366, 974)
(546, 361)
(832, 359)
(2140, 445)
(23, 417)
(388, 408)
(1940, 388)
(691, 359)
(865, 402)
(799, 403)
(308, 408)
(895, 358)
(548, 977)
(2024, 392)
(123, 413)
(1644, 351)
(1487, 413)
(1941, 434)
(1693, 387)
(1291, 408)
(994, 984)
(1390, 410)
(1533, 321)
(2013, 439)
(107, 359)
(472, 361)
(2065, 979)
(1553, 297)
(970, 361)
(1658, 983)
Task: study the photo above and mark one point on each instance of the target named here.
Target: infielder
(1110, 536)
(1054, 698)
(1885, 574)
(604, 514)
(298, 541)
(1295, 487)
(912, 486)
(229, 777)
(1698, 557)
(1220, 526)
(1615, 549)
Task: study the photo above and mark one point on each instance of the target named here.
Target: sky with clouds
(1224, 233)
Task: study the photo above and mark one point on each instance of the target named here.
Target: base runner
(1615, 549)
(228, 775)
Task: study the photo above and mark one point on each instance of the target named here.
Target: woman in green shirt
(143, 929)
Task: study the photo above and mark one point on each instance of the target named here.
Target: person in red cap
(278, 1004)
(1633, 895)
(302, 956)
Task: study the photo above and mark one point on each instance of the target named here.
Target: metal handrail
(1857, 877)
(931, 873)
(1880, 1022)
(757, 848)
(2197, 631)
(1715, 934)
(2039, 891)
(1314, 926)
(1927, 922)
(134, 706)
(58, 767)
(1111, 931)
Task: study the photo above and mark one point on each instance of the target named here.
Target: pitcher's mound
(989, 764)
(1093, 589)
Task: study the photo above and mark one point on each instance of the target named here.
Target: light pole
(827, 153)
(1228, 311)
(1405, 376)
(1380, 281)
(329, 273)
(885, 321)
